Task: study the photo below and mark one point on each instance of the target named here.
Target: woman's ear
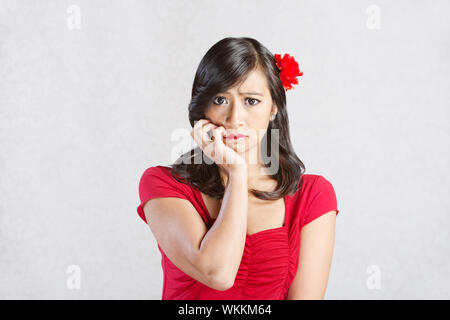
(274, 109)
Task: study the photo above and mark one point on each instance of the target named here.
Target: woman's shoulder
(307, 179)
(311, 183)
(160, 171)
(158, 182)
(157, 169)
(160, 175)
(315, 197)
(314, 179)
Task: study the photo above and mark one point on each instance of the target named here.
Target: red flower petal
(289, 70)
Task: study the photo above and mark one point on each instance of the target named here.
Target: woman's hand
(214, 148)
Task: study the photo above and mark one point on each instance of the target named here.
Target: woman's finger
(207, 128)
(199, 128)
(218, 133)
(202, 134)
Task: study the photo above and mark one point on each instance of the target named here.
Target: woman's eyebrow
(253, 93)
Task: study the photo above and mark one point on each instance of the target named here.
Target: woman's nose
(236, 114)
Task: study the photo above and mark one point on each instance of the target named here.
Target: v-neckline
(211, 220)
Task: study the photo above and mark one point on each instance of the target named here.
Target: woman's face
(244, 109)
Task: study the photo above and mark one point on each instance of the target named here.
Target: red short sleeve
(157, 183)
(323, 200)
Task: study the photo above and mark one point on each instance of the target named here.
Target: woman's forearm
(223, 245)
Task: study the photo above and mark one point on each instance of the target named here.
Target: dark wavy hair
(226, 64)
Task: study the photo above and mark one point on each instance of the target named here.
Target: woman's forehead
(255, 82)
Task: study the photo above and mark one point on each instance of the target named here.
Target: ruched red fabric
(270, 259)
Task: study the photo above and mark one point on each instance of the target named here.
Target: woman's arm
(212, 256)
(225, 241)
(316, 252)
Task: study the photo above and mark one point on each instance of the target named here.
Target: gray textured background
(83, 112)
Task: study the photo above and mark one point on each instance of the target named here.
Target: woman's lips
(236, 136)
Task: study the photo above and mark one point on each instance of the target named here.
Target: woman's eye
(218, 98)
(256, 101)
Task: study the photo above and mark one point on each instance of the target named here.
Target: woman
(229, 224)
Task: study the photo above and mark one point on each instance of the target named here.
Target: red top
(270, 259)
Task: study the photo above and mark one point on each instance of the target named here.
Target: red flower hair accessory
(289, 70)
